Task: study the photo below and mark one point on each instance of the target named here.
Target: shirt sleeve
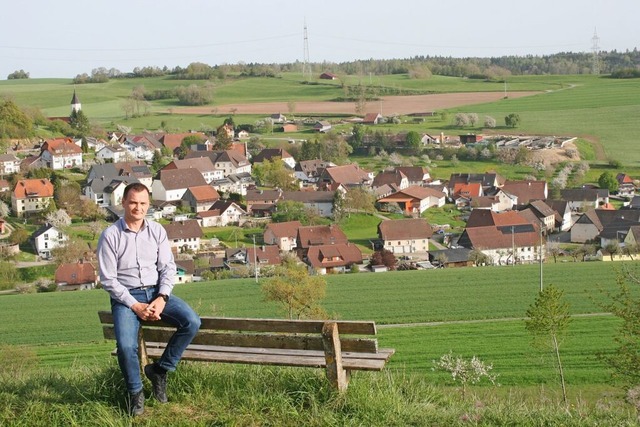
(108, 262)
(166, 264)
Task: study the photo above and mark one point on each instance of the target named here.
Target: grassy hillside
(594, 107)
(470, 302)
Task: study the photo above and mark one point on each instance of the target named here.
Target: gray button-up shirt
(130, 259)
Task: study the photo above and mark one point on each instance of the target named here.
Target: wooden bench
(337, 346)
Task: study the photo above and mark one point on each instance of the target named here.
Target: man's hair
(136, 186)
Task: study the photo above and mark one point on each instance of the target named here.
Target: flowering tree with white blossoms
(465, 371)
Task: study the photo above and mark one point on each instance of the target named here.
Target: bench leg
(337, 375)
(142, 351)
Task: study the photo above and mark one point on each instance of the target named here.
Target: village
(205, 186)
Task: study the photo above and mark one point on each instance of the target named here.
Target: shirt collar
(125, 227)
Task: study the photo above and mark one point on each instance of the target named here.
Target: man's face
(135, 205)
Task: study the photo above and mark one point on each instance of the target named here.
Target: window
(46, 237)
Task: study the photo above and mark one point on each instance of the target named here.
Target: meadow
(595, 108)
(52, 343)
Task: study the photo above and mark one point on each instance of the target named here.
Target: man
(137, 269)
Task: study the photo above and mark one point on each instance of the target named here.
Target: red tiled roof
(284, 229)
(61, 146)
(320, 235)
(405, 229)
(76, 273)
(33, 188)
(338, 255)
(204, 193)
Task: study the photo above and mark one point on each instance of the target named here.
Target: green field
(423, 314)
(596, 108)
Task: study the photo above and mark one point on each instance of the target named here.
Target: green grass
(471, 311)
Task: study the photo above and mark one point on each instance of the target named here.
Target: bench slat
(267, 325)
(364, 364)
(300, 342)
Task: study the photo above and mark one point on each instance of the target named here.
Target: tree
(8, 275)
(489, 122)
(473, 119)
(18, 236)
(548, 319)
(288, 210)
(608, 181)
(359, 199)
(383, 257)
(624, 361)
(14, 123)
(461, 120)
(95, 228)
(298, 293)
(187, 142)
(414, 141)
(512, 120)
(4, 209)
(18, 74)
(357, 136)
(613, 249)
(59, 219)
(479, 258)
(274, 174)
(79, 123)
(72, 251)
(67, 194)
(223, 139)
(465, 371)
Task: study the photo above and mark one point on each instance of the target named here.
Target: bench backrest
(355, 336)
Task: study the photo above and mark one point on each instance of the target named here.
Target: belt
(142, 288)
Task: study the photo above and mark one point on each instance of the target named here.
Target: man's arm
(108, 262)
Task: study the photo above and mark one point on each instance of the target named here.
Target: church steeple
(75, 103)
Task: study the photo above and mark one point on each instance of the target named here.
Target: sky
(64, 38)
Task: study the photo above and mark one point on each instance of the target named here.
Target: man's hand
(141, 310)
(155, 308)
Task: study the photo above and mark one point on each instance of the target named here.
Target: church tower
(75, 103)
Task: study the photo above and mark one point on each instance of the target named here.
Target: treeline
(617, 64)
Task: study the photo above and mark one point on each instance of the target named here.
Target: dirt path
(387, 105)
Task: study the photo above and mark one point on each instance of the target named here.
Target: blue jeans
(126, 324)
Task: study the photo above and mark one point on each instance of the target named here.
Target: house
(598, 223)
(277, 118)
(416, 175)
(322, 126)
(31, 196)
(314, 235)
(282, 234)
(562, 214)
(184, 235)
(289, 127)
(262, 200)
(320, 202)
(9, 164)
(393, 177)
(328, 76)
(113, 153)
(334, 258)
(106, 182)
(496, 200)
(221, 214)
(405, 236)
(350, 175)
(526, 191)
(173, 141)
(202, 164)
(462, 193)
(542, 212)
(506, 244)
(372, 118)
(229, 161)
(626, 187)
(200, 198)
(171, 184)
(234, 183)
(4, 185)
(93, 144)
(451, 258)
(582, 199)
(262, 256)
(31, 162)
(47, 238)
(485, 218)
(416, 199)
(142, 146)
(272, 154)
(76, 276)
(184, 271)
(60, 153)
(487, 180)
(308, 171)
